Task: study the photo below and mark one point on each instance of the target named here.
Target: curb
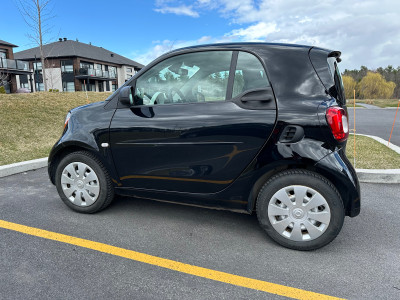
(23, 166)
(378, 175)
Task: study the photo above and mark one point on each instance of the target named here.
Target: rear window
(338, 90)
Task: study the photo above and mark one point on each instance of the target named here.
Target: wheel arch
(330, 175)
(62, 150)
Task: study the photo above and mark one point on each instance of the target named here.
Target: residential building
(10, 68)
(75, 66)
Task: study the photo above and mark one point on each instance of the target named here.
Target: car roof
(241, 45)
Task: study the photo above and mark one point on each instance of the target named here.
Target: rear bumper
(338, 169)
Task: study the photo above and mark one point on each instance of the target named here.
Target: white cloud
(165, 46)
(254, 33)
(178, 10)
(168, 7)
(365, 31)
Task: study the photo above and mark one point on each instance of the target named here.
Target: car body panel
(235, 149)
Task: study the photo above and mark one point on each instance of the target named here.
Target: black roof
(7, 44)
(70, 48)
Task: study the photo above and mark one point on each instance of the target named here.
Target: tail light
(338, 122)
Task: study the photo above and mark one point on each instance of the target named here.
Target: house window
(129, 70)
(112, 72)
(68, 86)
(39, 87)
(67, 66)
(86, 65)
(114, 87)
(25, 85)
(3, 61)
(37, 67)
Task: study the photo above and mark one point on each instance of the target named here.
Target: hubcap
(299, 213)
(80, 184)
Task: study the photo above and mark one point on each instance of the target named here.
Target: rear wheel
(83, 183)
(300, 210)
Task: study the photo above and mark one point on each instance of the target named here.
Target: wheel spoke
(78, 198)
(296, 234)
(315, 201)
(71, 170)
(280, 226)
(282, 196)
(69, 191)
(274, 210)
(313, 231)
(322, 216)
(300, 193)
(90, 177)
(93, 189)
(89, 200)
(81, 169)
(66, 180)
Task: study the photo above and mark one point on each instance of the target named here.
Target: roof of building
(68, 48)
(7, 44)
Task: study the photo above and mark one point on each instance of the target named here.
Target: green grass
(377, 102)
(30, 124)
(371, 154)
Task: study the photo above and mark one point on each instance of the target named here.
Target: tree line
(382, 83)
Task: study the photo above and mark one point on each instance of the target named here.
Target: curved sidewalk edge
(364, 175)
(379, 175)
(23, 166)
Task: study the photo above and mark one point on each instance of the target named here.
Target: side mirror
(125, 96)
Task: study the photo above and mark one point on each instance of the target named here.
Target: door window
(249, 74)
(193, 77)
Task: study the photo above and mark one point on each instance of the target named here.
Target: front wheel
(300, 210)
(83, 183)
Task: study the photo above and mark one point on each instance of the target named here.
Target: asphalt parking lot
(362, 263)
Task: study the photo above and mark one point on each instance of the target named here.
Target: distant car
(243, 127)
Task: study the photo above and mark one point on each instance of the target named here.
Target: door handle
(259, 95)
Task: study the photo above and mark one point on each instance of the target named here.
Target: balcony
(14, 66)
(98, 74)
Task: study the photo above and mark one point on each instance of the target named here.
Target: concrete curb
(23, 166)
(379, 175)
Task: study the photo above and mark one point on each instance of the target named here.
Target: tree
(374, 86)
(36, 16)
(349, 86)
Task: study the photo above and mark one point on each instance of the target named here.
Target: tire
(300, 210)
(83, 183)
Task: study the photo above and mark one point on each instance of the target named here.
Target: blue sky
(367, 32)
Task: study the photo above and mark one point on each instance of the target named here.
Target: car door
(185, 132)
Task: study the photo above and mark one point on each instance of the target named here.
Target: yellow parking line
(250, 283)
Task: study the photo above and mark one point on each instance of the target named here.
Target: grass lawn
(377, 102)
(371, 154)
(30, 124)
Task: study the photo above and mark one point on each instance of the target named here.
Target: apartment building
(74, 66)
(11, 68)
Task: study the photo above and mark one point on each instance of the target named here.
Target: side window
(249, 74)
(192, 77)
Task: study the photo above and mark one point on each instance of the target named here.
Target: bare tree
(4, 78)
(36, 15)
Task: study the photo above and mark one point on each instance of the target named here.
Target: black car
(243, 127)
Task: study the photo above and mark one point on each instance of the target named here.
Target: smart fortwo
(248, 127)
